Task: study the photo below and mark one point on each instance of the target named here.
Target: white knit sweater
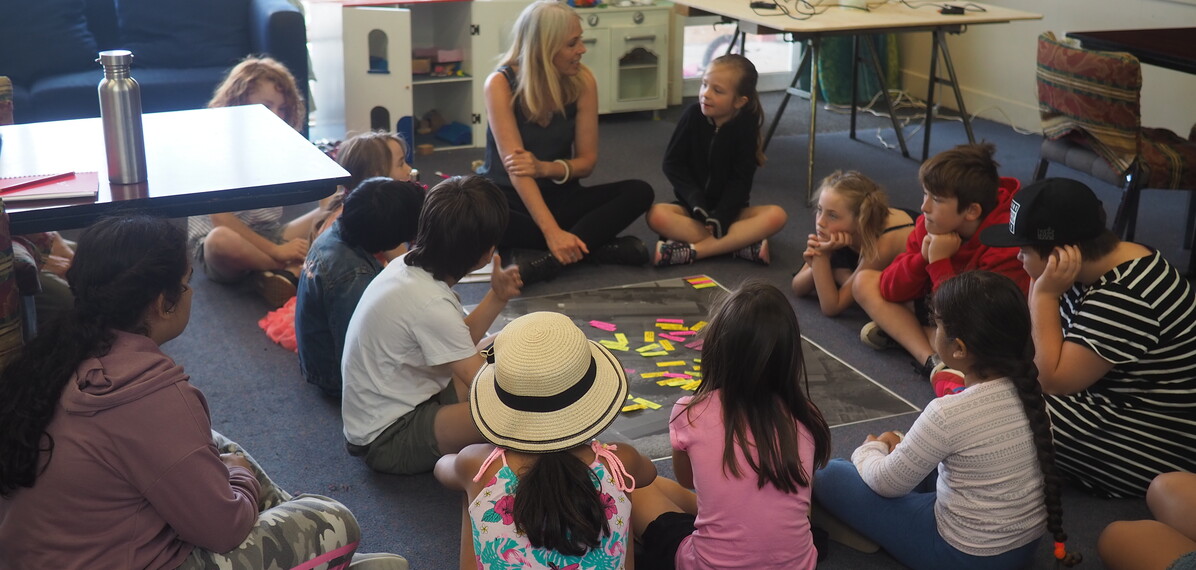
(990, 490)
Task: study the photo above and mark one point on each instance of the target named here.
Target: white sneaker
(872, 335)
(378, 561)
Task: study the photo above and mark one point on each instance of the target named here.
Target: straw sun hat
(545, 386)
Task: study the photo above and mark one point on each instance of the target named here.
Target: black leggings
(596, 214)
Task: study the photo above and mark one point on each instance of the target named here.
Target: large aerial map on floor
(655, 330)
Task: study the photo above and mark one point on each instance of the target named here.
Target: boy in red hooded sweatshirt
(961, 195)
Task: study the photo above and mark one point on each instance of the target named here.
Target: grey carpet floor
(258, 397)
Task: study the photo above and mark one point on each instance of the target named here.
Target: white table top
(836, 20)
(199, 161)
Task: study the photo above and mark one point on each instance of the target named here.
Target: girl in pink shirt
(748, 442)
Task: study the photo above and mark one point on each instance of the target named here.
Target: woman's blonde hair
(242, 78)
(540, 32)
(867, 202)
(367, 155)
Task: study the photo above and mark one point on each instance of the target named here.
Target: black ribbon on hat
(550, 403)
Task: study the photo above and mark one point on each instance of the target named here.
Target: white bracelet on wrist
(568, 171)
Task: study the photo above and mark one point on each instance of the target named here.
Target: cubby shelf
(382, 36)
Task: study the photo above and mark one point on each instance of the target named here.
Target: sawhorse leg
(809, 64)
(738, 37)
(802, 67)
(939, 43)
(884, 88)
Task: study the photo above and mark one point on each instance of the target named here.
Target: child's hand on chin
(936, 247)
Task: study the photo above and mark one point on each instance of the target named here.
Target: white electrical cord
(903, 100)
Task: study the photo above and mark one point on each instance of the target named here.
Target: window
(706, 38)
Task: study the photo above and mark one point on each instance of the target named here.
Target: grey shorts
(272, 232)
(408, 446)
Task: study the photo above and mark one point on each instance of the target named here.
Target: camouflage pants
(307, 532)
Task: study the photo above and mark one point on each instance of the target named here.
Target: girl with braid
(973, 484)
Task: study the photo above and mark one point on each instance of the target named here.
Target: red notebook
(62, 186)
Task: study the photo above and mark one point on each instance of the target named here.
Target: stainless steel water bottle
(120, 113)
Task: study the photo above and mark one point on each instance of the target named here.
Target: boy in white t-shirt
(409, 355)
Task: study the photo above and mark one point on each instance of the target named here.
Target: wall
(996, 62)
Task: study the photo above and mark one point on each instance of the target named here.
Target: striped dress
(1139, 420)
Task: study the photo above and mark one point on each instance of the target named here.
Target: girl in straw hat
(748, 442)
(546, 494)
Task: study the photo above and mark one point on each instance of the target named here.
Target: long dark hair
(120, 268)
(753, 355)
(558, 506)
(969, 306)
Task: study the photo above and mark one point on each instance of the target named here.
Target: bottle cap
(115, 57)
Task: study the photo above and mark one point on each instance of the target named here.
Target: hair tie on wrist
(568, 171)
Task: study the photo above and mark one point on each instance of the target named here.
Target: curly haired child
(231, 246)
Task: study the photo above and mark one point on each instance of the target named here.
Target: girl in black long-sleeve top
(711, 161)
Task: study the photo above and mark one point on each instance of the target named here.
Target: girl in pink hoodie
(107, 454)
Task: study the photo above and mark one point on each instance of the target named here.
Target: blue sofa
(181, 49)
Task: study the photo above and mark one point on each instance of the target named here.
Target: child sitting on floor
(367, 155)
(710, 162)
(962, 195)
(234, 245)
(974, 483)
(410, 351)
(107, 454)
(1166, 543)
(856, 229)
(1114, 339)
(748, 442)
(379, 215)
(544, 493)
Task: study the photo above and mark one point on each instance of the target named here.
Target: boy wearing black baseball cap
(1114, 328)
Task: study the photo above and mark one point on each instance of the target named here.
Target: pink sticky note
(603, 325)
(676, 375)
(678, 321)
(682, 333)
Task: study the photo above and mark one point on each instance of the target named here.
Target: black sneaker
(673, 253)
(757, 252)
(538, 269)
(932, 366)
(625, 250)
